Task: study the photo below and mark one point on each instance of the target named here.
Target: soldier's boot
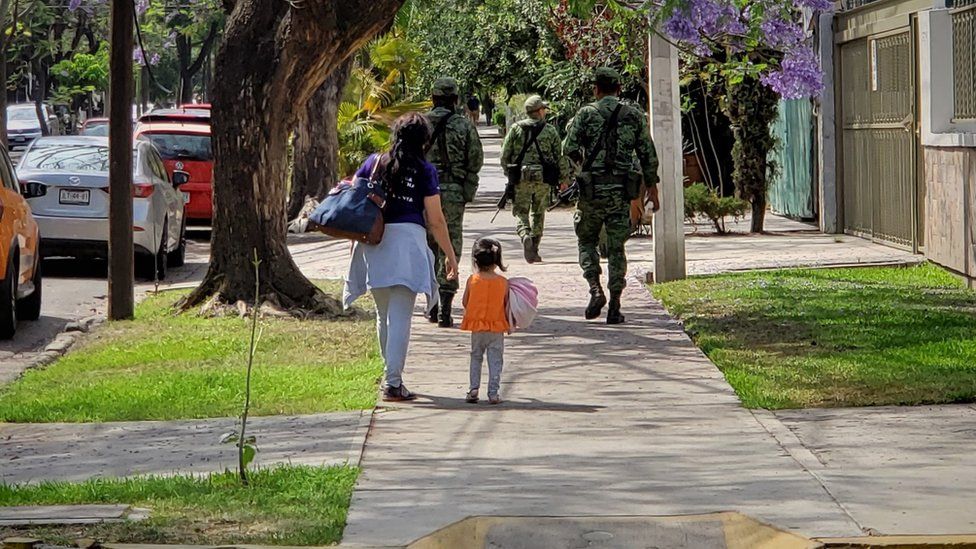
(536, 258)
(444, 319)
(598, 300)
(614, 316)
(527, 249)
(433, 314)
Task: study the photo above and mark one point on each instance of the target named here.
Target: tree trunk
(317, 143)
(758, 213)
(273, 58)
(40, 90)
(188, 69)
(751, 107)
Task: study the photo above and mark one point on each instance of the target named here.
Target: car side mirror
(180, 178)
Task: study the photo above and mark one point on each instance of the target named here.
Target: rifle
(515, 173)
(565, 197)
(573, 191)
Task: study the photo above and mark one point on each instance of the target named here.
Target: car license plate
(71, 196)
(20, 139)
(186, 198)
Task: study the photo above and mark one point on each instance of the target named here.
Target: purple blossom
(681, 29)
(73, 5)
(142, 6)
(138, 57)
(154, 59)
(781, 34)
(815, 5)
(799, 75)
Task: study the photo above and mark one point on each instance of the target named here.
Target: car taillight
(143, 190)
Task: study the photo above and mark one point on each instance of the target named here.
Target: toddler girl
(485, 300)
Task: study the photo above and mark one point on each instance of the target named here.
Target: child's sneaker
(494, 399)
(472, 397)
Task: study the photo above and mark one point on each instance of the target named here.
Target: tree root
(211, 299)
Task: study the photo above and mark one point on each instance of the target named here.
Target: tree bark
(317, 143)
(274, 56)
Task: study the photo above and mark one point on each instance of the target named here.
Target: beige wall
(950, 208)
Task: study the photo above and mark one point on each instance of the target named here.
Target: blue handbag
(353, 211)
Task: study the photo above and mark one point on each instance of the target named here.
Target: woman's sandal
(494, 399)
(472, 397)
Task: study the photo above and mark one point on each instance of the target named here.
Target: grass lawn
(166, 366)
(845, 337)
(283, 506)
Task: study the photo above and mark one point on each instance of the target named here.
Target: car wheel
(8, 301)
(177, 258)
(29, 308)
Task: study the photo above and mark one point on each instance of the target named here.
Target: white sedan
(65, 181)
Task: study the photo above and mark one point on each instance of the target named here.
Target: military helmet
(606, 76)
(445, 86)
(535, 103)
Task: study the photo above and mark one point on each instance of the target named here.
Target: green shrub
(700, 201)
(498, 118)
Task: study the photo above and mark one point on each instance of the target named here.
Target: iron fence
(964, 61)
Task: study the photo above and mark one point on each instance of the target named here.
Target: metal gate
(879, 139)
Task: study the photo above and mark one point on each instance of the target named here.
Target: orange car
(20, 262)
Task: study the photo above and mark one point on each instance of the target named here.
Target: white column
(826, 129)
(669, 230)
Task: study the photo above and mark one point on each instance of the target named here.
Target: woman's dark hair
(408, 152)
(487, 253)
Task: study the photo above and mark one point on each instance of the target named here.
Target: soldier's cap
(535, 103)
(444, 86)
(606, 76)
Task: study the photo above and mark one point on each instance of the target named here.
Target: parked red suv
(185, 147)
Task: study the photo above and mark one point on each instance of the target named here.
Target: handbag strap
(372, 196)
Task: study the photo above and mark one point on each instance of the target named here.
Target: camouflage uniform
(607, 207)
(458, 174)
(532, 195)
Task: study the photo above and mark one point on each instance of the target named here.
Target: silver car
(23, 125)
(65, 181)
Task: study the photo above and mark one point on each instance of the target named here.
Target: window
(21, 113)
(67, 157)
(180, 146)
(8, 175)
(964, 62)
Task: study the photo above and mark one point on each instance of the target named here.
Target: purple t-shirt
(408, 206)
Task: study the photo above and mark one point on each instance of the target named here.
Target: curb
(62, 343)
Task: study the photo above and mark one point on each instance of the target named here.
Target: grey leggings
(394, 309)
(494, 345)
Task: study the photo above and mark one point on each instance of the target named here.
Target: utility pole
(669, 230)
(121, 291)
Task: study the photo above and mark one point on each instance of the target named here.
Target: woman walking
(402, 265)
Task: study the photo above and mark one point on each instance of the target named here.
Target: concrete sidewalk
(597, 420)
(33, 452)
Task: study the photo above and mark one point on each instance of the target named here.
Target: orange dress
(485, 311)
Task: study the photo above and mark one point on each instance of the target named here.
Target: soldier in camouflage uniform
(604, 201)
(532, 195)
(455, 150)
